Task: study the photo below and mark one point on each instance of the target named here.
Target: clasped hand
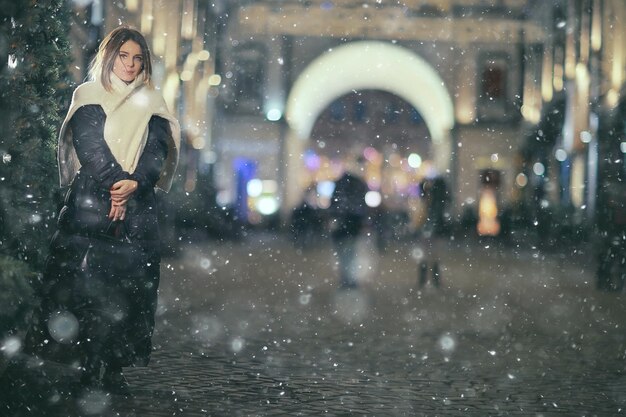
(121, 192)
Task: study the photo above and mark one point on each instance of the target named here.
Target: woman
(99, 289)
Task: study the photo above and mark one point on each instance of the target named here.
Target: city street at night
(260, 328)
(312, 207)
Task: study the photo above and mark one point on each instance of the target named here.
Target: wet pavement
(260, 328)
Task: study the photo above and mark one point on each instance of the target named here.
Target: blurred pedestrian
(435, 196)
(349, 212)
(305, 220)
(99, 289)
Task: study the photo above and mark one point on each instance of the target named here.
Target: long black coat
(99, 288)
(348, 206)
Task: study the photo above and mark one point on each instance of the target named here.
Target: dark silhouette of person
(435, 194)
(305, 221)
(349, 213)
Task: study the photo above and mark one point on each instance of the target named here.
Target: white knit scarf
(128, 109)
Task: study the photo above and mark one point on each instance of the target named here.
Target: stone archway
(364, 65)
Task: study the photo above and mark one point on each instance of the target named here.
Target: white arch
(358, 66)
(373, 65)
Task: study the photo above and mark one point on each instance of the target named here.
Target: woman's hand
(120, 194)
(121, 191)
(117, 212)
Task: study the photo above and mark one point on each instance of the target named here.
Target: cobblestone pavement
(260, 329)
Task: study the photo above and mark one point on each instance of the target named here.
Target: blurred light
(215, 80)
(187, 20)
(35, 218)
(237, 344)
(370, 153)
(596, 26)
(11, 345)
(325, 188)
(447, 343)
(270, 186)
(191, 61)
(186, 75)
(146, 17)
(63, 326)
(585, 136)
(521, 180)
(612, 97)
(323, 202)
(373, 199)
(205, 263)
(131, 5)
(415, 161)
(373, 183)
(267, 205)
(560, 155)
(546, 77)
(203, 55)
(488, 223)
(394, 160)
(274, 115)
(465, 110)
(209, 157)
(170, 89)
(311, 160)
(594, 122)
(622, 147)
(304, 299)
(557, 80)
(417, 254)
(12, 61)
(494, 157)
(531, 113)
(198, 142)
(254, 187)
(223, 198)
(539, 169)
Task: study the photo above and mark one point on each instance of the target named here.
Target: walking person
(99, 288)
(435, 195)
(349, 213)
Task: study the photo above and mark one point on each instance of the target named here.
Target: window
(494, 82)
(495, 90)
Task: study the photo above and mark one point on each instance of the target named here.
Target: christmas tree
(34, 88)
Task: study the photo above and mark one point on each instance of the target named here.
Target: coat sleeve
(95, 157)
(153, 157)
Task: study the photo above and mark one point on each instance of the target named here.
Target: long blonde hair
(102, 64)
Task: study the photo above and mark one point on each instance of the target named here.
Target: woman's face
(129, 61)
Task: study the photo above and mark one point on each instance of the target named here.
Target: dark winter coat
(102, 276)
(87, 203)
(348, 206)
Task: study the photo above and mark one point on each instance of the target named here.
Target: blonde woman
(99, 289)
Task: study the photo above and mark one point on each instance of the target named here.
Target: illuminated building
(468, 86)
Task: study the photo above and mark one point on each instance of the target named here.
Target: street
(260, 328)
